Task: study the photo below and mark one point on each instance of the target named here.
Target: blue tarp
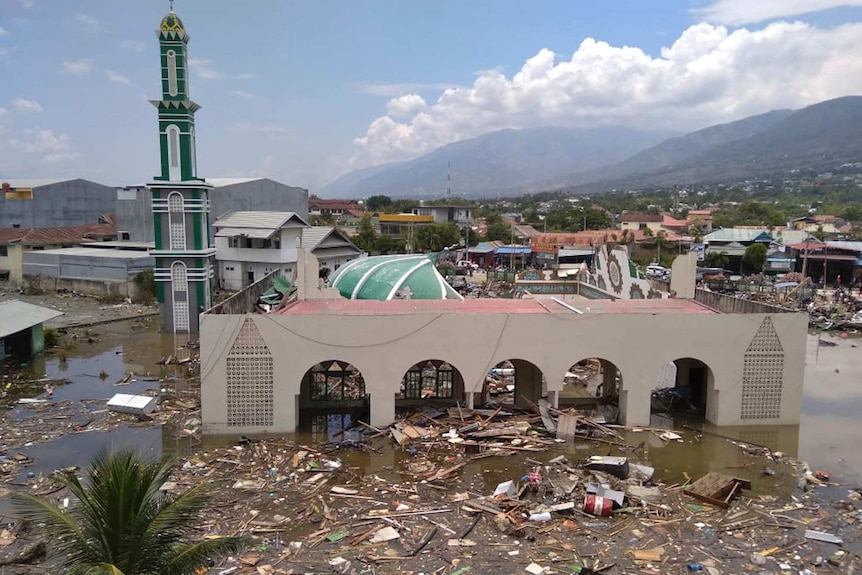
(517, 250)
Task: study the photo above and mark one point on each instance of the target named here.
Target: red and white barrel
(599, 506)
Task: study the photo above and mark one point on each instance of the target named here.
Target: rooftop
(541, 305)
(99, 252)
(269, 221)
(738, 235)
(16, 315)
(66, 235)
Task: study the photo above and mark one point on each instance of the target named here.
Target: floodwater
(826, 438)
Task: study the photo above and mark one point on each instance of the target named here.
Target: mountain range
(511, 162)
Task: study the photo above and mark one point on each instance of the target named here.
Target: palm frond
(187, 558)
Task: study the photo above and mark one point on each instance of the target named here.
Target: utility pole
(512, 247)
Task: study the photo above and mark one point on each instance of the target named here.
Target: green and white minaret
(181, 209)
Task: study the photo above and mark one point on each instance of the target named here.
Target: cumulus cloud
(408, 105)
(80, 67)
(401, 89)
(133, 45)
(3, 32)
(708, 75)
(737, 12)
(117, 78)
(42, 142)
(88, 23)
(22, 105)
(3, 112)
(205, 69)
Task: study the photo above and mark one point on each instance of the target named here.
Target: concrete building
(458, 215)
(104, 270)
(15, 243)
(336, 208)
(135, 215)
(261, 371)
(634, 221)
(251, 245)
(21, 332)
(54, 203)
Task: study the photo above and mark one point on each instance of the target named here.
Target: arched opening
(431, 381)
(593, 384)
(332, 399)
(515, 382)
(685, 392)
(174, 171)
(172, 73)
(177, 221)
(180, 297)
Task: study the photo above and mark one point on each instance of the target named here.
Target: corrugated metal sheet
(261, 220)
(312, 236)
(34, 182)
(16, 315)
(221, 182)
(737, 235)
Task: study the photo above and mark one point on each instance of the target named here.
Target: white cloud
(737, 12)
(204, 69)
(242, 94)
(88, 23)
(117, 78)
(3, 112)
(408, 105)
(709, 75)
(80, 67)
(392, 90)
(133, 45)
(42, 142)
(3, 32)
(22, 105)
(61, 157)
(26, 3)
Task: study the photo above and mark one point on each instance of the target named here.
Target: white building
(250, 245)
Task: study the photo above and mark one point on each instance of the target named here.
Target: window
(177, 221)
(4, 275)
(4, 251)
(174, 153)
(233, 242)
(125, 236)
(172, 73)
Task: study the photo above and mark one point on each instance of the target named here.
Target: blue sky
(305, 91)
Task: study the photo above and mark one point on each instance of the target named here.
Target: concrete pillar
(470, 399)
(382, 408)
(528, 382)
(554, 398)
(635, 400)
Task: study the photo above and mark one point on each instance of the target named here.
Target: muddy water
(826, 439)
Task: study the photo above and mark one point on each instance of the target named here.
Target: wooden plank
(567, 426)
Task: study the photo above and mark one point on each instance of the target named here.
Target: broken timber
(717, 489)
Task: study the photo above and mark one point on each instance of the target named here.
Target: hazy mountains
(510, 162)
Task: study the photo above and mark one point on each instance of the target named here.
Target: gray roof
(737, 235)
(34, 182)
(260, 220)
(16, 315)
(314, 236)
(221, 182)
(841, 245)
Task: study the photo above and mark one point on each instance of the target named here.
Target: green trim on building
(157, 226)
(37, 339)
(160, 286)
(201, 286)
(196, 223)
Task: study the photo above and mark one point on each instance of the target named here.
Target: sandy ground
(80, 310)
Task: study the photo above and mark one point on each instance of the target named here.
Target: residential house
(734, 241)
(702, 218)
(250, 245)
(635, 221)
(335, 208)
(458, 215)
(818, 223)
(15, 242)
(330, 246)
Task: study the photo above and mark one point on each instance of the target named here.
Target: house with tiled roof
(632, 221)
(15, 242)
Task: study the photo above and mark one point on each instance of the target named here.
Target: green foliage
(145, 281)
(324, 219)
(123, 523)
(52, 337)
(386, 244)
(366, 238)
(435, 237)
(498, 230)
(446, 269)
(716, 260)
(378, 203)
(750, 213)
(755, 257)
(567, 218)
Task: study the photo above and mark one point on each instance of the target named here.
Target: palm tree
(123, 523)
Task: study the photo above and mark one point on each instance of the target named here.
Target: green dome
(171, 23)
(380, 277)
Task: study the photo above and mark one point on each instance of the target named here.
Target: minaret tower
(181, 209)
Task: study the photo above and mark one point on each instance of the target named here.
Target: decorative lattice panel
(249, 379)
(762, 374)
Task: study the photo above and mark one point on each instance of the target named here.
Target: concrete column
(470, 398)
(554, 398)
(528, 382)
(635, 405)
(382, 408)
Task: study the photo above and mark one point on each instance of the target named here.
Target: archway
(331, 399)
(514, 381)
(685, 391)
(593, 383)
(431, 381)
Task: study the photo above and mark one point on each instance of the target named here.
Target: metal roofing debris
(16, 315)
(381, 277)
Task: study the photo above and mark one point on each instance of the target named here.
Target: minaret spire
(172, 5)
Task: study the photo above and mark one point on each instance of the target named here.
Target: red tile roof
(633, 217)
(66, 235)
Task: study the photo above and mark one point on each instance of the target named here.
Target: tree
(755, 257)
(435, 237)
(716, 259)
(697, 233)
(323, 219)
(378, 203)
(497, 230)
(123, 523)
(366, 238)
(386, 244)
